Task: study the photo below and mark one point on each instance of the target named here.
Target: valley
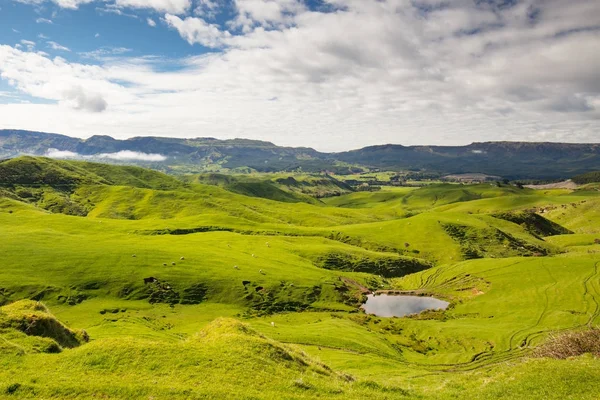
(124, 282)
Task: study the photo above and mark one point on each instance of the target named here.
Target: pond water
(384, 305)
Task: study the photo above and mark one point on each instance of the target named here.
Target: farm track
(588, 289)
(516, 350)
(526, 340)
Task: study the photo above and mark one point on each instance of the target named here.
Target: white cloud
(269, 13)
(28, 43)
(125, 155)
(370, 72)
(55, 153)
(168, 6)
(196, 30)
(80, 99)
(43, 21)
(56, 46)
(209, 8)
(113, 8)
(71, 4)
(105, 53)
(42, 36)
(151, 22)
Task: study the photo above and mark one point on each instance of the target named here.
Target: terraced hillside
(120, 282)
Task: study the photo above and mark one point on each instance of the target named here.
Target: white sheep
(273, 324)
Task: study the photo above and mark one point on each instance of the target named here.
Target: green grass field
(119, 282)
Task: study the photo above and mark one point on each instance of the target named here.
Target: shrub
(571, 344)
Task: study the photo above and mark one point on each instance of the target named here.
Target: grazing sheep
(164, 264)
(262, 272)
(236, 267)
(172, 263)
(182, 258)
(273, 324)
(133, 255)
(253, 256)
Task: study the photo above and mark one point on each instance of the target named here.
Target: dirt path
(568, 184)
(352, 282)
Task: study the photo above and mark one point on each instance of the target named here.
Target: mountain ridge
(516, 160)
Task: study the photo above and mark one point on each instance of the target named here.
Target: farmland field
(120, 282)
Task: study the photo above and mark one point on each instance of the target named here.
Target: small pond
(384, 305)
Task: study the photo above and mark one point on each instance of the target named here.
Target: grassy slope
(501, 307)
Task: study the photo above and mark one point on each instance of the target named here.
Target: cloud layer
(124, 155)
(347, 74)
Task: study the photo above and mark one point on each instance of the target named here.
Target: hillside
(590, 177)
(513, 160)
(126, 283)
(290, 188)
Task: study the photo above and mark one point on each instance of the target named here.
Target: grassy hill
(277, 186)
(120, 282)
(42, 171)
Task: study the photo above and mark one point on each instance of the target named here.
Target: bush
(571, 344)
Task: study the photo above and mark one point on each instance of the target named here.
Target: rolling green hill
(120, 282)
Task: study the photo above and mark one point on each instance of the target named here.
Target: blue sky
(88, 28)
(330, 74)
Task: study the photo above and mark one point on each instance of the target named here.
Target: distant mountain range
(514, 160)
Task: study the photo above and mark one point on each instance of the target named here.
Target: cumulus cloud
(79, 99)
(196, 30)
(168, 6)
(209, 8)
(356, 72)
(269, 13)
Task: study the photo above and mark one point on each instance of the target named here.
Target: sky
(329, 74)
